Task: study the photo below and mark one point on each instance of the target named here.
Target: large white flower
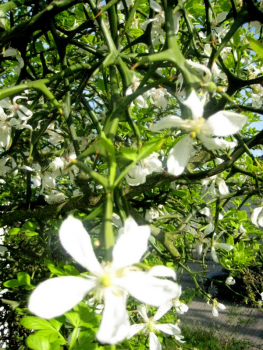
(222, 123)
(110, 281)
(151, 326)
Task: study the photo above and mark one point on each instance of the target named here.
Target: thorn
(135, 66)
(98, 14)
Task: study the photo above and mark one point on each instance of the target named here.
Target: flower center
(105, 280)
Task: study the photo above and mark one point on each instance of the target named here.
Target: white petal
(215, 143)
(225, 123)
(134, 329)
(255, 214)
(56, 296)
(155, 6)
(131, 244)
(214, 311)
(154, 343)
(163, 309)
(214, 255)
(195, 105)
(143, 312)
(167, 328)
(148, 289)
(171, 121)
(225, 246)
(115, 323)
(162, 271)
(210, 228)
(179, 156)
(76, 240)
(222, 186)
(221, 306)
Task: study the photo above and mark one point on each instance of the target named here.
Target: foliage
(85, 87)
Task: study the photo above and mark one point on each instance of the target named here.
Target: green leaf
(28, 225)
(74, 318)
(36, 342)
(256, 46)
(32, 322)
(180, 193)
(242, 215)
(12, 284)
(14, 231)
(23, 278)
(30, 233)
(128, 153)
(71, 270)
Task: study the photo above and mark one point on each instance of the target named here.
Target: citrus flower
(222, 123)
(230, 281)
(257, 216)
(110, 281)
(151, 327)
(216, 244)
(216, 306)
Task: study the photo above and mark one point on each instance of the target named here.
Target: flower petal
(163, 309)
(179, 156)
(225, 246)
(215, 143)
(225, 123)
(171, 121)
(214, 311)
(154, 343)
(214, 255)
(195, 105)
(115, 325)
(162, 271)
(143, 312)
(131, 244)
(148, 289)
(76, 240)
(56, 296)
(222, 186)
(135, 328)
(255, 214)
(168, 328)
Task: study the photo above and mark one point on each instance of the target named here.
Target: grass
(201, 339)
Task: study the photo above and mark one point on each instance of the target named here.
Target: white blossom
(222, 123)
(216, 244)
(215, 180)
(257, 216)
(151, 326)
(110, 281)
(230, 281)
(216, 306)
(137, 174)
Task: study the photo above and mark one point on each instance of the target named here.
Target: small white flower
(261, 294)
(151, 327)
(179, 306)
(257, 216)
(215, 180)
(216, 244)
(55, 198)
(137, 174)
(230, 281)
(111, 281)
(151, 214)
(222, 123)
(216, 306)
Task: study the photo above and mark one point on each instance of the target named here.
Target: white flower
(23, 113)
(110, 281)
(216, 306)
(157, 97)
(14, 52)
(261, 294)
(230, 281)
(151, 214)
(215, 180)
(137, 174)
(257, 216)
(216, 244)
(222, 123)
(140, 99)
(179, 306)
(151, 327)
